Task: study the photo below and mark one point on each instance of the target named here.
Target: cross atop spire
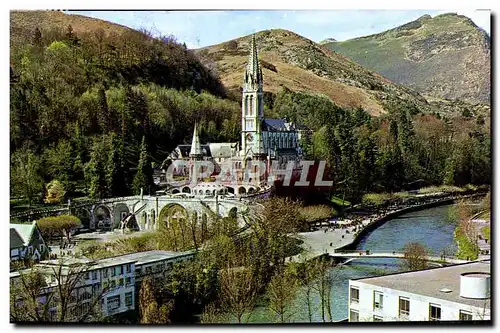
(195, 145)
(253, 73)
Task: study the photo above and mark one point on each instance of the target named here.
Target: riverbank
(347, 236)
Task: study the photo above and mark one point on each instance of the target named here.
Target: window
(354, 316)
(128, 268)
(434, 312)
(112, 284)
(120, 282)
(95, 288)
(94, 275)
(113, 302)
(128, 299)
(113, 271)
(105, 272)
(128, 281)
(41, 248)
(404, 307)
(378, 300)
(149, 270)
(465, 315)
(354, 295)
(378, 318)
(119, 270)
(87, 275)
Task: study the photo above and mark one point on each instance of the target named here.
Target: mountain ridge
(446, 56)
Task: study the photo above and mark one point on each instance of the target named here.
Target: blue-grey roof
(274, 124)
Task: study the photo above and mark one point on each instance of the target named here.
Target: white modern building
(109, 284)
(453, 293)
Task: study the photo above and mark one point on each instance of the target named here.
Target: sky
(204, 28)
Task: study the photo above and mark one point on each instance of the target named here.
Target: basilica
(262, 139)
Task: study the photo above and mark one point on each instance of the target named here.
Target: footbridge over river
(150, 211)
(364, 254)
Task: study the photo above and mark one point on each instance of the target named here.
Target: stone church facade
(262, 139)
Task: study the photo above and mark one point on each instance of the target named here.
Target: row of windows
(114, 302)
(404, 307)
(118, 283)
(280, 142)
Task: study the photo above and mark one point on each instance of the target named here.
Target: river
(430, 227)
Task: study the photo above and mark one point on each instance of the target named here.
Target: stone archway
(251, 190)
(242, 190)
(170, 214)
(120, 211)
(84, 215)
(102, 217)
(233, 213)
(174, 191)
(186, 189)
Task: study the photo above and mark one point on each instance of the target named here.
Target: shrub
(55, 192)
(376, 199)
(317, 212)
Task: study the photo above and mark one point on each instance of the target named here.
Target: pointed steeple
(253, 73)
(195, 145)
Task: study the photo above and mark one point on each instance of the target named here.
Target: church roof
(20, 234)
(274, 125)
(253, 73)
(195, 144)
(186, 149)
(223, 149)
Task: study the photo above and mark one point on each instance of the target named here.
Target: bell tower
(252, 106)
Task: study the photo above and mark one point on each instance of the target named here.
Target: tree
(61, 224)
(144, 177)
(65, 301)
(37, 37)
(238, 291)
(55, 192)
(25, 174)
(415, 257)
(323, 285)
(282, 291)
(104, 121)
(150, 312)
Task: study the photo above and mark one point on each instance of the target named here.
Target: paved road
(483, 245)
(320, 242)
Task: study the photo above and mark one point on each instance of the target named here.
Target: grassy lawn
(486, 232)
(338, 201)
(484, 216)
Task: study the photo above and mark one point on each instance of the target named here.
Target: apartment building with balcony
(452, 293)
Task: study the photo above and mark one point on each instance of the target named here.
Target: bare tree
(282, 291)
(238, 291)
(55, 293)
(415, 257)
(323, 285)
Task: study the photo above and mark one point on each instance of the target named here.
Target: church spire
(253, 73)
(195, 145)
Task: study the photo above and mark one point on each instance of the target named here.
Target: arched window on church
(246, 106)
(250, 108)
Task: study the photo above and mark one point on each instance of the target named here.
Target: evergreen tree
(37, 37)
(104, 121)
(144, 176)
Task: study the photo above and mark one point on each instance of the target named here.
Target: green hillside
(447, 56)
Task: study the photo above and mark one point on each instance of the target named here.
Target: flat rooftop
(146, 257)
(429, 282)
